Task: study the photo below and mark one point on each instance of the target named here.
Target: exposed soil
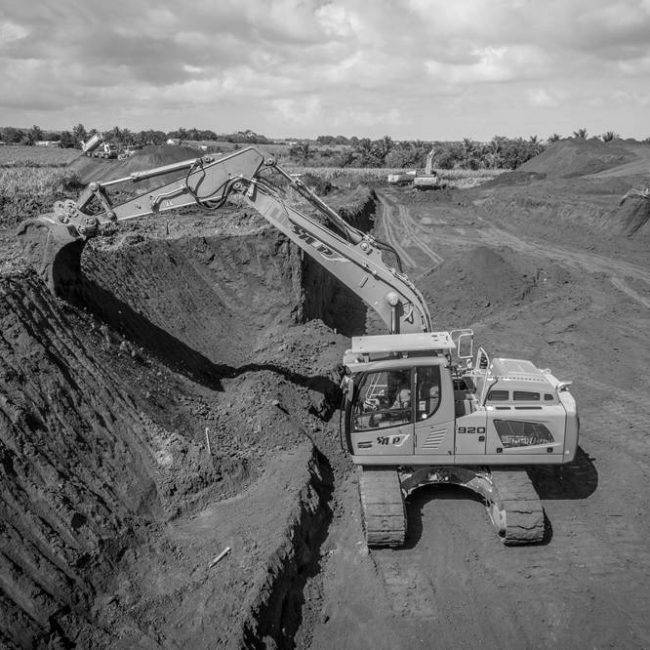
(158, 415)
(572, 158)
(113, 508)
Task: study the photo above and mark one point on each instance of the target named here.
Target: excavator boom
(352, 256)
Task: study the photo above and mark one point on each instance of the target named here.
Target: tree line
(124, 137)
(328, 150)
(498, 153)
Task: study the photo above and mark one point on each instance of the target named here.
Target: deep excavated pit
(114, 507)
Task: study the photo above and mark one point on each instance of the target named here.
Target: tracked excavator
(429, 180)
(419, 407)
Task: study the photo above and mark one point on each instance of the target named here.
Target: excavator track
(515, 508)
(382, 505)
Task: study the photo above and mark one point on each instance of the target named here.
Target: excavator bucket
(53, 249)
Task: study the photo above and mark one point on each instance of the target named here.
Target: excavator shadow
(577, 480)
(70, 285)
(417, 501)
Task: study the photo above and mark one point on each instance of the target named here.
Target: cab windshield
(383, 400)
(387, 398)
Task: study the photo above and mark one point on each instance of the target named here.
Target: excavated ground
(165, 411)
(113, 508)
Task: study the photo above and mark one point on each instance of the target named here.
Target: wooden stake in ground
(219, 557)
(207, 440)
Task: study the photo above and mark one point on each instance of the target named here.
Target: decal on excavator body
(308, 238)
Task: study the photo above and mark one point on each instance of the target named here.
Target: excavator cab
(403, 399)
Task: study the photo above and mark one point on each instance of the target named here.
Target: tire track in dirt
(619, 283)
(574, 259)
(415, 234)
(400, 228)
(589, 261)
(389, 231)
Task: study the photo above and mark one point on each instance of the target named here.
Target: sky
(410, 69)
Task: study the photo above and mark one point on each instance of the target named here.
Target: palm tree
(581, 134)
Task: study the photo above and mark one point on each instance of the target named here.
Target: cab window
(383, 400)
(428, 391)
(525, 396)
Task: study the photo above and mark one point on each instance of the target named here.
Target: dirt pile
(475, 283)
(577, 157)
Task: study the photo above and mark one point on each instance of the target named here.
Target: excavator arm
(354, 257)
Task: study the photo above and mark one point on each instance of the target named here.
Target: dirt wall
(80, 465)
(324, 296)
(214, 294)
(107, 479)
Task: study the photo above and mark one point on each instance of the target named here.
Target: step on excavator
(419, 407)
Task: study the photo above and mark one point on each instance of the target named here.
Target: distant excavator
(418, 407)
(427, 181)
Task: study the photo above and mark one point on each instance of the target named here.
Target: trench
(105, 398)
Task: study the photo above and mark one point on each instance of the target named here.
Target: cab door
(434, 413)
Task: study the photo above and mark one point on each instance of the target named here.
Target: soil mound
(634, 211)
(158, 155)
(577, 157)
(472, 284)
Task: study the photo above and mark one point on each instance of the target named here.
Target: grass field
(22, 156)
(36, 181)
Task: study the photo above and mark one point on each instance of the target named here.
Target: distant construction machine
(427, 181)
(418, 407)
(96, 147)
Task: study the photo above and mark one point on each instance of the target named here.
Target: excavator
(429, 180)
(418, 406)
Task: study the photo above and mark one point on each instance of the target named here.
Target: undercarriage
(513, 505)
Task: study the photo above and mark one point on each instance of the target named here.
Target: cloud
(540, 97)
(418, 68)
